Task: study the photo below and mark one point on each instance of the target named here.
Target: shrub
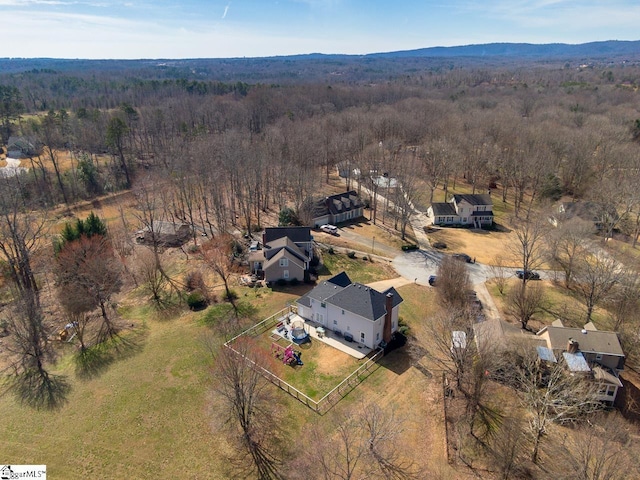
(194, 281)
(331, 251)
(409, 247)
(351, 254)
(196, 300)
(281, 282)
(365, 258)
(293, 282)
(232, 295)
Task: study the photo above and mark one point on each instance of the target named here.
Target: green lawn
(359, 270)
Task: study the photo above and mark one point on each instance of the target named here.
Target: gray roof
(335, 204)
(283, 243)
(296, 234)
(443, 209)
(482, 199)
(326, 289)
(588, 340)
(364, 301)
(546, 354)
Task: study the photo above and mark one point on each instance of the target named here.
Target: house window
(323, 305)
(348, 328)
(285, 274)
(284, 262)
(343, 312)
(377, 336)
(598, 357)
(361, 337)
(335, 322)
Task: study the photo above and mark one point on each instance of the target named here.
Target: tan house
(601, 351)
(285, 256)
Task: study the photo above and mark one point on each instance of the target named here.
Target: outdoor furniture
(320, 332)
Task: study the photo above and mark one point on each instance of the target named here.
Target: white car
(332, 229)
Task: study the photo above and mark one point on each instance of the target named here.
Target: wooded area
(223, 155)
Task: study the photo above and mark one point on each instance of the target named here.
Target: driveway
(383, 285)
(419, 265)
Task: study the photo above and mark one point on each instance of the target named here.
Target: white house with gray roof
(352, 310)
(472, 210)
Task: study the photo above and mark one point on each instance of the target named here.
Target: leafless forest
(221, 153)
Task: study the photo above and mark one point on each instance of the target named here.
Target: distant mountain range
(525, 50)
(335, 66)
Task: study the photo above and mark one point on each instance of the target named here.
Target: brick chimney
(572, 346)
(386, 332)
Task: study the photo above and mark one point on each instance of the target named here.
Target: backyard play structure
(288, 355)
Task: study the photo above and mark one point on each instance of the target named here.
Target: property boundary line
(328, 400)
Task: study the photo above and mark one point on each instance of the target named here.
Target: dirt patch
(329, 359)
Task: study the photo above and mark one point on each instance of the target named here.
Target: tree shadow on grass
(95, 360)
(39, 390)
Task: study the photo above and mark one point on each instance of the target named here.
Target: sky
(130, 29)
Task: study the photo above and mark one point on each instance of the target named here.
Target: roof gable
(364, 301)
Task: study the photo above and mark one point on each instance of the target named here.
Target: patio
(326, 336)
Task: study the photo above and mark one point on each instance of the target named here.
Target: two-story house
(600, 350)
(471, 210)
(285, 255)
(337, 208)
(354, 310)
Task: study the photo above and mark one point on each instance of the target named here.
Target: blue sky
(255, 28)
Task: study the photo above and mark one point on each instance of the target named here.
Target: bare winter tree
(249, 407)
(597, 450)
(595, 276)
(523, 305)
(87, 275)
(217, 254)
(568, 243)
(453, 284)
(528, 245)
(548, 391)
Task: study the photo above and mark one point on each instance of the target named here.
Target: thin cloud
(226, 9)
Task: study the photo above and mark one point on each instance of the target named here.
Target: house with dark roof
(471, 210)
(337, 209)
(285, 255)
(590, 351)
(353, 310)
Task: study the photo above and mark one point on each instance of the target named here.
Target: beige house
(600, 350)
(285, 256)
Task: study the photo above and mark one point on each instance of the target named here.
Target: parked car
(330, 229)
(432, 280)
(463, 257)
(528, 274)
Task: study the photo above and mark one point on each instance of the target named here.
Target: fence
(330, 399)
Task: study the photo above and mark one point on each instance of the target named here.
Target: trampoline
(298, 333)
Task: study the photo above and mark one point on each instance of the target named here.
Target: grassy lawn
(359, 270)
(146, 416)
(560, 303)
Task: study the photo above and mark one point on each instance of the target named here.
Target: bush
(351, 254)
(194, 281)
(232, 295)
(293, 282)
(409, 247)
(281, 282)
(196, 300)
(331, 251)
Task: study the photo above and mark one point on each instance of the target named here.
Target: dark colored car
(528, 274)
(432, 280)
(463, 257)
